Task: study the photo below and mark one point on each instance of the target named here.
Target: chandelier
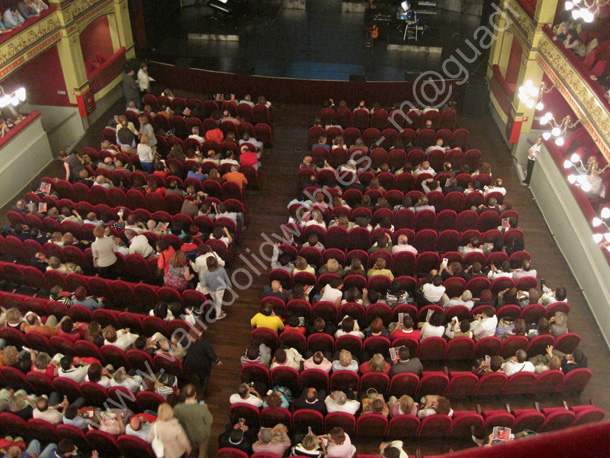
(558, 129)
(597, 222)
(585, 9)
(532, 96)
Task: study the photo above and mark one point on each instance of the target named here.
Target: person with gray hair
(138, 244)
(518, 363)
(246, 394)
(267, 444)
(337, 402)
(559, 324)
(464, 300)
(131, 382)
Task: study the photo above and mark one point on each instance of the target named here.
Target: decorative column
(122, 28)
(72, 64)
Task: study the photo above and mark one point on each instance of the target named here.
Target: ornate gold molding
(521, 19)
(28, 37)
(584, 102)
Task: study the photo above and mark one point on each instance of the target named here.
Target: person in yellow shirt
(267, 319)
(380, 269)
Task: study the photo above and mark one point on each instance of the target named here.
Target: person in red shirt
(292, 325)
(215, 135)
(405, 329)
(236, 177)
(166, 253)
(70, 330)
(249, 158)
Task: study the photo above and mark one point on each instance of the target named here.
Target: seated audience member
(435, 405)
(380, 269)
(12, 18)
(73, 418)
(465, 300)
(549, 296)
(318, 361)
(494, 365)
(403, 245)
(434, 326)
(423, 204)
(267, 318)
(332, 266)
(260, 354)
(376, 329)
(505, 330)
(238, 436)
(122, 338)
(432, 291)
(122, 379)
(332, 292)
(397, 295)
(139, 427)
(337, 402)
(517, 363)
(559, 324)
(485, 324)
(405, 364)
(235, 176)
(455, 329)
(504, 272)
(273, 441)
(80, 298)
(51, 409)
(376, 364)
(310, 447)
(277, 398)
(288, 357)
(313, 241)
(473, 246)
(405, 405)
(99, 375)
(424, 167)
(320, 326)
(67, 369)
(345, 362)
(301, 265)
(383, 243)
(525, 271)
(311, 399)
(404, 329)
(246, 394)
(348, 327)
(338, 444)
(542, 328)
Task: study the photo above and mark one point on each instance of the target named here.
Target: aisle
(267, 210)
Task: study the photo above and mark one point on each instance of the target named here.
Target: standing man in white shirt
(532, 156)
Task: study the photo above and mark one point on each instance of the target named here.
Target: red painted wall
(42, 78)
(514, 62)
(96, 38)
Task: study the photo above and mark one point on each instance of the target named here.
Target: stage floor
(320, 42)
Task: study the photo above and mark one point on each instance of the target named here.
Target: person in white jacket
(144, 79)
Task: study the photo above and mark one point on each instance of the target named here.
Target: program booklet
(500, 434)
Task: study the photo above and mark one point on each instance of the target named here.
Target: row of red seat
(429, 349)
(450, 384)
(459, 426)
(397, 159)
(116, 291)
(404, 264)
(381, 118)
(256, 113)
(328, 311)
(423, 238)
(131, 265)
(134, 198)
(104, 443)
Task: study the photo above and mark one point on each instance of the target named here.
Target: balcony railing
(108, 71)
(584, 95)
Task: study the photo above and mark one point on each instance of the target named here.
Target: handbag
(157, 444)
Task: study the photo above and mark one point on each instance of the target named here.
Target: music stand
(409, 25)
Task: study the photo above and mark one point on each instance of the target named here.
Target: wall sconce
(14, 98)
(558, 130)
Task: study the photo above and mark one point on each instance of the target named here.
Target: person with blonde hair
(345, 362)
(376, 364)
(309, 447)
(332, 266)
(405, 405)
(301, 265)
(178, 275)
(14, 319)
(168, 430)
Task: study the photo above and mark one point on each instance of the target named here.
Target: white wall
(64, 125)
(22, 158)
(574, 238)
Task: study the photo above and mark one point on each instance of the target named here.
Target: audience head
(345, 358)
(377, 363)
(436, 319)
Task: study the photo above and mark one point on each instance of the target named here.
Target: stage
(319, 42)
